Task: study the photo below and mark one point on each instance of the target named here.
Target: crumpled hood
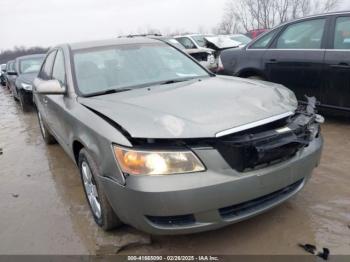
(222, 42)
(193, 109)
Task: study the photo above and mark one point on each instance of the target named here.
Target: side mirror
(48, 87)
(12, 73)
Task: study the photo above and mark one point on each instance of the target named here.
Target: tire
(48, 138)
(106, 218)
(24, 101)
(256, 77)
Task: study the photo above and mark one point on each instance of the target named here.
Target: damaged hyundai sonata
(166, 146)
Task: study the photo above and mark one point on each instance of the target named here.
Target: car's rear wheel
(48, 138)
(24, 101)
(101, 210)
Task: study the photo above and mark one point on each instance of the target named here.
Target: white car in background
(195, 44)
(193, 41)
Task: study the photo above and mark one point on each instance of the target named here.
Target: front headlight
(148, 162)
(27, 87)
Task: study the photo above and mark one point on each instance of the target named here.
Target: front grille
(182, 220)
(258, 203)
(264, 145)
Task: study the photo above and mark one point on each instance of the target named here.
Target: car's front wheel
(100, 208)
(48, 138)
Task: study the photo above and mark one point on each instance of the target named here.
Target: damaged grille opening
(268, 144)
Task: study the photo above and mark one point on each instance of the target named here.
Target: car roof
(111, 42)
(190, 35)
(314, 16)
(299, 20)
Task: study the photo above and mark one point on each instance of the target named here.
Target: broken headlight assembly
(156, 162)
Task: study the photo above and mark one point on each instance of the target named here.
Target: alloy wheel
(91, 189)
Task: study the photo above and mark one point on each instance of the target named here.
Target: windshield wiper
(172, 81)
(108, 91)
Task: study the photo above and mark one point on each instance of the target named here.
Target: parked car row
(204, 48)
(161, 142)
(18, 76)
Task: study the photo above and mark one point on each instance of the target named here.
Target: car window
(45, 72)
(264, 41)
(30, 65)
(58, 71)
(303, 35)
(186, 42)
(200, 40)
(131, 66)
(342, 33)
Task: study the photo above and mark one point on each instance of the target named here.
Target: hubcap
(41, 125)
(90, 189)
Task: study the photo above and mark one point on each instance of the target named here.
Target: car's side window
(59, 72)
(45, 72)
(264, 41)
(186, 42)
(342, 33)
(303, 35)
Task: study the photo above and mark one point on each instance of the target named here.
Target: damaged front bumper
(276, 165)
(182, 204)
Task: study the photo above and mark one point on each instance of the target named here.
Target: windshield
(128, 66)
(30, 65)
(241, 38)
(200, 40)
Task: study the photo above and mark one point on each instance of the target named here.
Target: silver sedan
(166, 146)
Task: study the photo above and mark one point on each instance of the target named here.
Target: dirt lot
(43, 210)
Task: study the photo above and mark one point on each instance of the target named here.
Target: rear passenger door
(336, 91)
(296, 57)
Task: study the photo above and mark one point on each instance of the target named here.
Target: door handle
(45, 100)
(273, 61)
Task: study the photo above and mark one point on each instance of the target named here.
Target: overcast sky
(50, 22)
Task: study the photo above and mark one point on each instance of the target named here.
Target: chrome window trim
(253, 124)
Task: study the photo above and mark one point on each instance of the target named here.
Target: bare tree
(10, 54)
(246, 15)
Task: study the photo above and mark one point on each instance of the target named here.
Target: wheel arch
(77, 146)
(247, 72)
